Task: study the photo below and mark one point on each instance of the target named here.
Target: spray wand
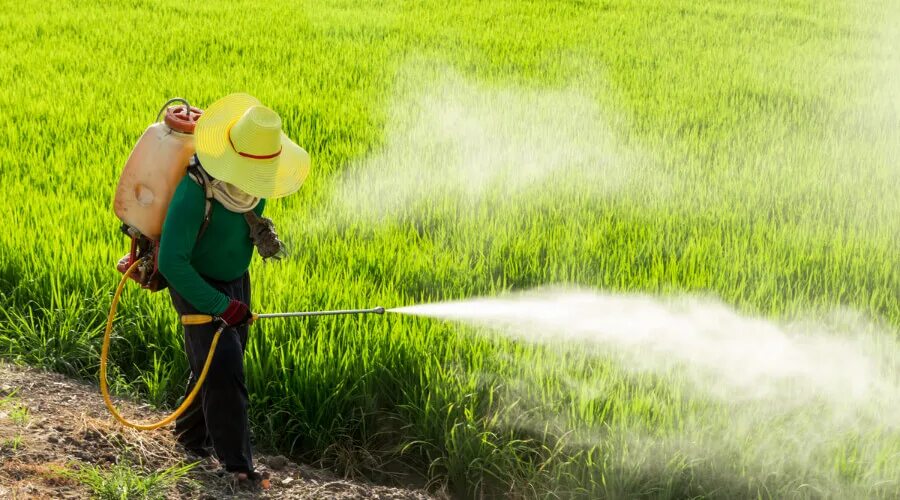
(202, 319)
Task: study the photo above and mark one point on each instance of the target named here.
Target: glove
(124, 264)
(236, 314)
(264, 237)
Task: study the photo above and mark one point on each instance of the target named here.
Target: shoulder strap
(200, 177)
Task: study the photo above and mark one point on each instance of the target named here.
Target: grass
(13, 444)
(122, 480)
(15, 411)
(8, 398)
(18, 415)
(760, 141)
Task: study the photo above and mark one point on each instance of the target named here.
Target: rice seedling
(740, 150)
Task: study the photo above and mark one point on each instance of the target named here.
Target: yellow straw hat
(239, 141)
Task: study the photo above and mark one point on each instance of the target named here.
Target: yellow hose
(105, 352)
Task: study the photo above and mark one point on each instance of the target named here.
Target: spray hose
(189, 319)
(104, 353)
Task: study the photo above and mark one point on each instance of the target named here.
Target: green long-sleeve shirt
(223, 252)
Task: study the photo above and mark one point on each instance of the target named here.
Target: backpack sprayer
(158, 162)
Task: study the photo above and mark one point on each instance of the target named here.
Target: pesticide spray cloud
(455, 148)
(784, 396)
(724, 354)
(772, 398)
(457, 144)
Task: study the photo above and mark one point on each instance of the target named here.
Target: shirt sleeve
(179, 234)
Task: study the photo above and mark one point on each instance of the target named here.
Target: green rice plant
(158, 381)
(63, 337)
(748, 153)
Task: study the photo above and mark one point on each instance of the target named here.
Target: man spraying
(242, 159)
(191, 198)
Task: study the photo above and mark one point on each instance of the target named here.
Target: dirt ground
(51, 422)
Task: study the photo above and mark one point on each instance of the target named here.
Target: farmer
(242, 158)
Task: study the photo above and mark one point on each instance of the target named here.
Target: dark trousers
(218, 416)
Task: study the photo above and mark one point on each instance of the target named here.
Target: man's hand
(236, 314)
(124, 265)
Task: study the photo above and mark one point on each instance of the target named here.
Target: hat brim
(270, 178)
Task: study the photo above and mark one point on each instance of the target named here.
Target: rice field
(746, 151)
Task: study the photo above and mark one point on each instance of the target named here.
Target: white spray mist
(724, 354)
(458, 144)
(771, 399)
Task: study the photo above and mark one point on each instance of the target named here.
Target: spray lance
(202, 319)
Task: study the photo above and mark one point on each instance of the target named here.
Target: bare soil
(66, 426)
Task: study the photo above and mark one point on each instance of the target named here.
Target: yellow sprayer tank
(156, 165)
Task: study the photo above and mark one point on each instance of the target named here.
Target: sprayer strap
(206, 218)
(199, 176)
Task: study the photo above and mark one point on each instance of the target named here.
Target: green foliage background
(785, 161)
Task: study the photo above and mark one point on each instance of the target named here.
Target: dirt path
(49, 422)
